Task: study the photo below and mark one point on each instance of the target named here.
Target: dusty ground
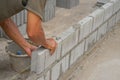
(64, 18)
(103, 63)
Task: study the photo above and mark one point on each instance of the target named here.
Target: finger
(29, 54)
(53, 49)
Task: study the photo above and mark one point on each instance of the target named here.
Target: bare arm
(12, 31)
(36, 33)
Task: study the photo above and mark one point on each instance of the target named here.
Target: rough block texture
(118, 16)
(108, 10)
(22, 17)
(98, 16)
(111, 22)
(25, 16)
(38, 60)
(49, 10)
(14, 18)
(101, 31)
(86, 25)
(90, 41)
(22, 29)
(77, 52)
(116, 5)
(55, 71)
(59, 48)
(69, 39)
(47, 76)
(49, 59)
(18, 16)
(65, 63)
(67, 3)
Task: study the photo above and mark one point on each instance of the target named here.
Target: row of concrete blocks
(64, 64)
(71, 57)
(41, 59)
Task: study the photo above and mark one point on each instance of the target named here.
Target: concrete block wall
(98, 18)
(67, 3)
(75, 42)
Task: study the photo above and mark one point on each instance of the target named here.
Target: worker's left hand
(51, 45)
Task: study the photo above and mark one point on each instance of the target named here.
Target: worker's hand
(51, 45)
(29, 49)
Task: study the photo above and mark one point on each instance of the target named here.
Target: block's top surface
(107, 5)
(85, 20)
(97, 12)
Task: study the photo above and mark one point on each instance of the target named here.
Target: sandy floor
(103, 63)
(66, 17)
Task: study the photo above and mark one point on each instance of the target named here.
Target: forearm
(12, 31)
(34, 29)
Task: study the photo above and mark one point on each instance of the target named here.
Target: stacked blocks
(98, 18)
(67, 3)
(49, 12)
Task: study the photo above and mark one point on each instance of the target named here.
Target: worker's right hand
(51, 45)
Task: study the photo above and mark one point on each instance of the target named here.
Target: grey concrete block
(49, 59)
(87, 41)
(65, 63)
(41, 78)
(67, 3)
(102, 31)
(85, 26)
(77, 52)
(90, 41)
(116, 5)
(25, 16)
(58, 50)
(72, 60)
(18, 16)
(55, 73)
(118, 16)
(49, 12)
(95, 36)
(47, 76)
(14, 18)
(22, 17)
(111, 22)
(38, 60)
(22, 29)
(69, 39)
(98, 18)
(108, 9)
